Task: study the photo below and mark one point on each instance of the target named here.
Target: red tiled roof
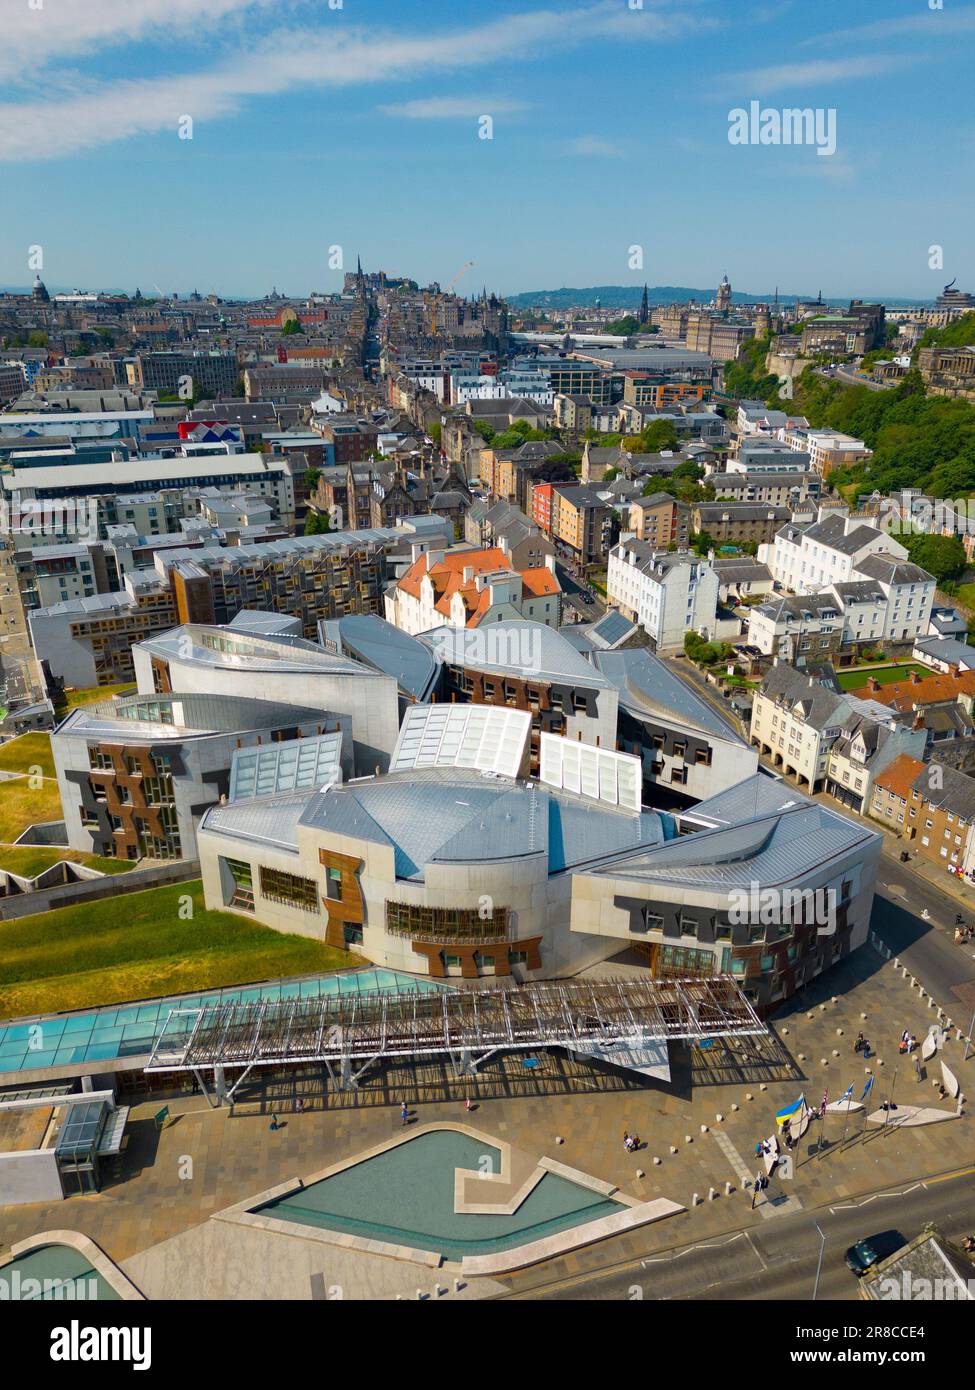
(899, 777)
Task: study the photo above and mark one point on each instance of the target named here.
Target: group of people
(963, 932)
(907, 1043)
(630, 1142)
(968, 1245)
(861, 1045)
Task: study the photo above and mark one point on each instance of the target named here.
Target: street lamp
(819, 1266)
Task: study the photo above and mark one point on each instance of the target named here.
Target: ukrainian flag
(796, 1108)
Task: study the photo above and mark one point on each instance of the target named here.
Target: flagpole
(891, 1095)
(849, 1102)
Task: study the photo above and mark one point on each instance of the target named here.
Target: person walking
(404, 1113)
(274, 1123)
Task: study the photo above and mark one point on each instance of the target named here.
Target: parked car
(862, 1257)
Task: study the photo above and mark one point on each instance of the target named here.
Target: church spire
(644, 307)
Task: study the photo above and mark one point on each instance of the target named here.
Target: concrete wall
(371, 699)
(30, 1175)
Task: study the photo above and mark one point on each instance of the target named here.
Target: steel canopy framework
(356, 1030)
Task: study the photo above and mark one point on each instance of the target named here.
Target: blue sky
(357, 127)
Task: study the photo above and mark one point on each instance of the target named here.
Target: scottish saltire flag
(847, 1094)
(786, 1114)
(866, 1088)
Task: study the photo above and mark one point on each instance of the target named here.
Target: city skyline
(314, 128)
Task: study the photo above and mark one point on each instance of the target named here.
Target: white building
(668, 593)
(806, 559)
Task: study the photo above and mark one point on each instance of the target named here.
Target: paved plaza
(171, 1181)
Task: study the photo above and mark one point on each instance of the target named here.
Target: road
(851, 377)
(572, 596)
(925, 946)
(777, 1260)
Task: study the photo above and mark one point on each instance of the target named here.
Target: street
(925, 946)
(572, 596)
(779, 1259)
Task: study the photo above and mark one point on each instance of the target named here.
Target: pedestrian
(467, 1104)
(299, 1105)
(274, 1123)
(404, 1113)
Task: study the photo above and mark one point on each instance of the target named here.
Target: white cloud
(83, 114)
(820, 72)
(447, 108)
(592, 145)
(71, 29)
(938, 24)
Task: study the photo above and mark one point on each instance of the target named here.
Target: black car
(862, 1257)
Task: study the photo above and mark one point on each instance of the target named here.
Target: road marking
(758, 1254)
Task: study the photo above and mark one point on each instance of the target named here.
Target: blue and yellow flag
(796, 1108)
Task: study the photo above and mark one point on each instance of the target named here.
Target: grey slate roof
(649, 689)
(385, 648)
(531, 649)
(890, 569)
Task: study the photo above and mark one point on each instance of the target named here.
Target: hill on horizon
(629, 296)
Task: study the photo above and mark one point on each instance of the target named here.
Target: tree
(942, 556)
(316, 523)
(312, 476)
(624, 327)
(291, 326)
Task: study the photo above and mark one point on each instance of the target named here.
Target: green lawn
(22, 805)
(92, 696)
(886, 675)
(965, 594)
(28, 751)
(31, 860)
(138, 947)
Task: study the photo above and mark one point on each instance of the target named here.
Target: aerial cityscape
(487, 767)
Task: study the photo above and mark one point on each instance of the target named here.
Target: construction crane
(443, 295)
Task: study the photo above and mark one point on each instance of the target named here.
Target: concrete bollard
(785, 1032)
(762, 1086)
(719, 1118)
(673, 1148)
(728, 1189)
(656, 1161)
(749, 1096)
(802, 1056)
(839, 1032)
(863, 1017)
(458, 1285)
(696, 1200)
(734, 1105)
(559, 1139)
(824, 1061)
(640, 1173)
(704, 1129)
(420, 1295)
(712, 1193)
(810, 1017)
(688, 1139)
(836, 1052)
